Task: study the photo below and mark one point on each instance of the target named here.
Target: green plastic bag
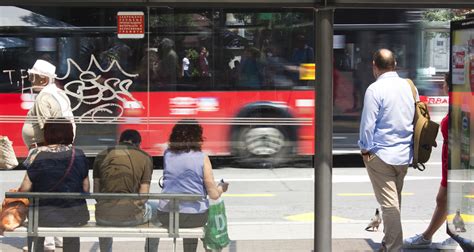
(216, 236)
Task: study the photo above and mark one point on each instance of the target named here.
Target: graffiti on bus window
(23, 75)
(95, 87)
(91, 88)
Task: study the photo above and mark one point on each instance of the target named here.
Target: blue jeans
(105, 243)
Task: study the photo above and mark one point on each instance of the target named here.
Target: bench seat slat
(99, 231)
(92, 230)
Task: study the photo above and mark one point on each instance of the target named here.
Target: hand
(224, 186)
(365, 158)
(368, 158)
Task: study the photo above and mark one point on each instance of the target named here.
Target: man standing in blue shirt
(386, 141)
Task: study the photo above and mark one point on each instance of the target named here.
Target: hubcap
(264, 141)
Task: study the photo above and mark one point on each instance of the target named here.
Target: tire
(262, 146)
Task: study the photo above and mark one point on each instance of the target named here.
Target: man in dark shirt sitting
(124, 168)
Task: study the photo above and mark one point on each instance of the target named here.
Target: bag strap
(69, 168)
(415, 143)
(413, 90)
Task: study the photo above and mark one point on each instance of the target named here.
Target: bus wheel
(262, 146)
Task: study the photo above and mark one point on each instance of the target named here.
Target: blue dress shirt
(386, 127)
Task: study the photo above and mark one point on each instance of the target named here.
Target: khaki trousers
(387, 181)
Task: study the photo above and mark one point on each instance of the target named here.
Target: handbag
(216, 236)
(14, 212)
(7, 154)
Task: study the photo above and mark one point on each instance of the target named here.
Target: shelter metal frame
(324, 29)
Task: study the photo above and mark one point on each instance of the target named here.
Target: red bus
(246, 75)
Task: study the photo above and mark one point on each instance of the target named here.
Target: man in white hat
(51, 102)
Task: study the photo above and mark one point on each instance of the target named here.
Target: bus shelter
(323, 156)
(323, 52)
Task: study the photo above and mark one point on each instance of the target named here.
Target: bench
(148, 230)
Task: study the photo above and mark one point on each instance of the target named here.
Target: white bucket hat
(44, 68)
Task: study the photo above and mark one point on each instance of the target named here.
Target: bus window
(264, 50)
(185, 52)
(13, 53)
(214, 49)
(95, 67)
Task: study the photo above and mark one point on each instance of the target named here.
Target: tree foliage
(445, 15)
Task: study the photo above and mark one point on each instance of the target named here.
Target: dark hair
(58, 131)
(300, 37)
(186, 136)
(447, 78)
(130, 135)
(384, 59)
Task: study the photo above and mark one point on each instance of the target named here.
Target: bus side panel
(216, 112)
(12, 115)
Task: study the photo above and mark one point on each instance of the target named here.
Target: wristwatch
(365, 153)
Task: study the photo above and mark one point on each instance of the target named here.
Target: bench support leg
(174, 244)
(34, 241)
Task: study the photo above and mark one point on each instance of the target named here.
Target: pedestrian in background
(204, 63)
(168, 64)
(440, 213)
(386, 141)
(186, 66)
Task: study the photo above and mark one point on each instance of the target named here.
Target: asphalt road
(283, 198)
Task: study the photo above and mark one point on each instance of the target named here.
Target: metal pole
(323, 143)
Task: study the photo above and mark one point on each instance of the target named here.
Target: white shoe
(25, 249)
(58, 242)
(448, 244)
(416, 241)
(49, 243)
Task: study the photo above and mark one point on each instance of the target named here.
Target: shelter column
(323, 142)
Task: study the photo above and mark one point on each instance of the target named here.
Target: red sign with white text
(130, 24)
(435, 100)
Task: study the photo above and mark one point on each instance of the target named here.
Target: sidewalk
(128, 245)
(351, 236)
(352, 245)
(166, 245)
(348, 236)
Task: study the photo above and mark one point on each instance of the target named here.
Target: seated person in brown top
(124, 168)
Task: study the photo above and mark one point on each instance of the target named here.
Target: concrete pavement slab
(166, 245)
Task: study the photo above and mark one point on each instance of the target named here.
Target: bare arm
(146, 178)
(144, 188)
(86, 186)
(213, 190)
(26, 184)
